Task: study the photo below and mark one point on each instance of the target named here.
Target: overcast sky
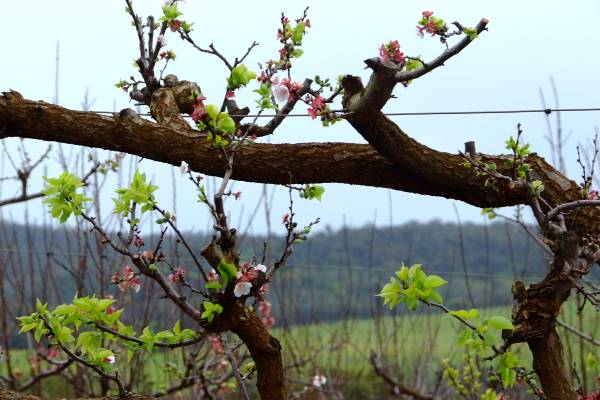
(528, 42)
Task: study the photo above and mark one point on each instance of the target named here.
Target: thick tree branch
(357, 164)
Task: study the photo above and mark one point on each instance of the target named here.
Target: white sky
(527, 42)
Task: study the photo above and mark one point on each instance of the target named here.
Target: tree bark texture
(414, 168)
(264, 348)
(391, 159)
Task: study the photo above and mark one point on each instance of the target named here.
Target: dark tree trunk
(549, 364)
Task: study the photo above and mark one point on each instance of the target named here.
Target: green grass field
(341, 350)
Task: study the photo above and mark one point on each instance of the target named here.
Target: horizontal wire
(362, 269)
(546, 111)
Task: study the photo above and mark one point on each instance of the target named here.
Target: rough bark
(264, 348)
(538, 306)
(549, 364)
(420, 169)
(391, 159)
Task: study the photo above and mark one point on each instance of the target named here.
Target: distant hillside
(333, 275)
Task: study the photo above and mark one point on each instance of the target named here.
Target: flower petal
(261, 268)
(281, 93)
(242, 289)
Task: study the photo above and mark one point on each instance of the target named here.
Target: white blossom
(261, 268)
(281, 93)
(318, 381)
(184, 168)
(242, 289)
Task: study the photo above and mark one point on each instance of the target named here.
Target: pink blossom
(593, 195)
(264, 289)
(285, 219)
(175, 25)
(264, 307)
(318, 104)
(109, 360)
(391, 50)
(427, 14)
(177, 275)
(216, 344)
(126, 279)
(262, 77)
(138, 241)
(237, 195)
(53, 353)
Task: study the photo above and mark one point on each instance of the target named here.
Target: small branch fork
(397, 388)
(115, 378)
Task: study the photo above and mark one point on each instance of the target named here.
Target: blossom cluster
(264, 307)
(246, 277)
(290, 37)
(199, 108)
(168, 55)
(432, 25)
(177, 275)
(126, 279)
(391, 51)
(593, 195)
(317, 106)
(284, 90)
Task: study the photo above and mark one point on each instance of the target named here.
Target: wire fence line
(358, 268)
(546, 111)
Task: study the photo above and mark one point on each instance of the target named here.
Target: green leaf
(62, 198)
(213, 285)
(311, 192)
(226, 123)
(471, 33)
(240, 76)
(227, 271)
(499, 322)
(434, 281)
(212, 111)
(210, 310)
(298, 33)
(464, 314)
(391, 293)
(403, 273)
(538, 187)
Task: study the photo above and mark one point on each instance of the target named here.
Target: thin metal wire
(362, 269)
(546, 111)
